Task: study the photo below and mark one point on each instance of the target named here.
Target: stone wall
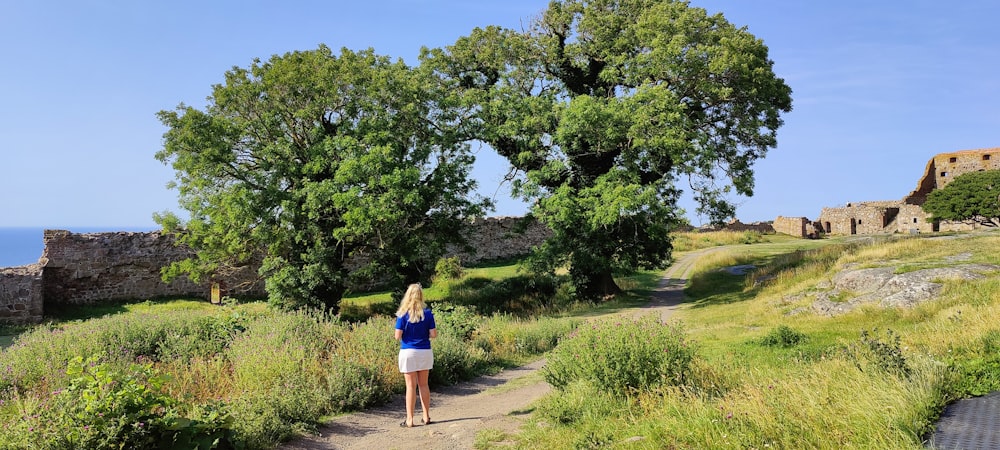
(944, 167)
(21, 294)
(796, 226)
(495, 238)
(93, 267)
(906, 215)
(858, 218)
(760, 227)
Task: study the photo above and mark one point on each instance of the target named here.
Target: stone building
(796, 226)
(906, 215)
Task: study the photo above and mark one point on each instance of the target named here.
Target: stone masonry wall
(21, 294)
(856, 219)
(495, 238)
(93, 267)
(796, 226)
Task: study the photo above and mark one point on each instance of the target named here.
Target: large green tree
(332, 165)
(603, 107)
(973, 196)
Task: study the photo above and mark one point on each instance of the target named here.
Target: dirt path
(459, 412)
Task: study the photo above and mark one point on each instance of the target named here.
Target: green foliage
(448, 268)
(783, 336)
(522, 295)
(970, 196)
(621, 355)
(456, 320)
(455, 360)
(578, 401)
(107, 408)
(604, 108)
(354, 387)
(508, 341)
(309, 158)
(978, 369)
(873, 352)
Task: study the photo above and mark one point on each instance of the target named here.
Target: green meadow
(743, 363)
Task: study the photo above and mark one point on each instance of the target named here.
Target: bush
(105, 408)
(455, 360)
(352, 386)
(621, 355)
(505, 339)
(448, 269)
(458, 320)
(874, 353)
(783, 336)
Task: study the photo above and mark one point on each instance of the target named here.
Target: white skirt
(414, 359)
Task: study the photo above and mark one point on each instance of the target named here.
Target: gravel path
(499, 402)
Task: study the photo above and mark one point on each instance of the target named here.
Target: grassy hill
(770, 372)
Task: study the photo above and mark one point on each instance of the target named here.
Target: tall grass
(693, 240)
(769, 373)
(255, 376)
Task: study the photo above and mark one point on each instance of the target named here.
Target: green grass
(769, 373)
(268, 374)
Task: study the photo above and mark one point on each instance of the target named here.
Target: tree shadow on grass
(717, 287)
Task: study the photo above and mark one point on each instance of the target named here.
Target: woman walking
(415, 329)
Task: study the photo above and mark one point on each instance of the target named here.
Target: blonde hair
(413, 303)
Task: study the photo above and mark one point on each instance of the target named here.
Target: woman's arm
(399, 334)
(434, 333)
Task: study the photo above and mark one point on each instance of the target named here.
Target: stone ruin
(897, 216)
(87, 268)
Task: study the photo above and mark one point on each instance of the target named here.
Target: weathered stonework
(796, 226)
(760, 227)
(944, 167)
(906, 215)
(21, 294)
(92, 267)
(97, 267)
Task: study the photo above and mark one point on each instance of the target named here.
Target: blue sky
(878, 89)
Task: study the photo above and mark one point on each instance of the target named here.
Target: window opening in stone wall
(953, 159)
(986, 157)
(944, 174)
(914, 220)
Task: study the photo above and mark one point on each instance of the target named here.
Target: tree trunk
(598, 285)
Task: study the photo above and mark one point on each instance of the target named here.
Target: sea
(21, 246)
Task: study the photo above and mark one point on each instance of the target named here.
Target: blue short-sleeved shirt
(416, 335)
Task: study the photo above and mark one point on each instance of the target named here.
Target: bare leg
(423, 376)
(411, 395)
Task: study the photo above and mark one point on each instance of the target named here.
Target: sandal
(404, 425)
(425, 422)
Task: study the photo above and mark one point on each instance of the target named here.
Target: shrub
(577, 401)
(448, 268)
(455, 360)
(352, 386)
(505, 339)
(783, 336)
(105, 408)
(458, 320)
(621, 355)
(874, 353)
